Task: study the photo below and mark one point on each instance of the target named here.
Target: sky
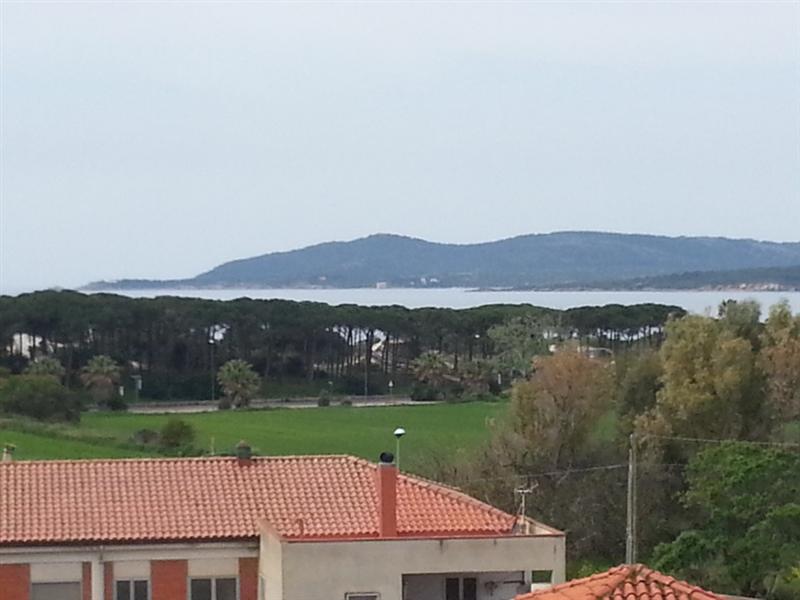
(159, 139)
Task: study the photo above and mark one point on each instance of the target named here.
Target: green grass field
(433, 431)
(32, 446)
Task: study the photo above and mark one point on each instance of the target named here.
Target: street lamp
(398, 433)
(391, 387)
(211, 351)
(137, 385)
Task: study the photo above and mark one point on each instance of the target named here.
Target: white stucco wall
(491, 586)
(309, 570)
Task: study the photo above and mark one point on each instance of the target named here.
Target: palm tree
(100, 376)
(430, 368)
(239, 383)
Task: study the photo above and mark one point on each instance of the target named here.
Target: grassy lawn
(432, 430)
(32, 446)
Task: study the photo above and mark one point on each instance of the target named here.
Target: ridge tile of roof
(625, 582)
(222, 498)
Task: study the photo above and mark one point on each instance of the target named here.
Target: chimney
(386, 477)
(244, 453)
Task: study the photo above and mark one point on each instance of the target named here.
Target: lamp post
(398, 433)
(137, 385)
(211, 351)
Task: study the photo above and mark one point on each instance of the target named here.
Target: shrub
(176, 434)
(46, 365)
(117, 402)
(425, 393)
(145, 437)
(478, 397)
(40, 397)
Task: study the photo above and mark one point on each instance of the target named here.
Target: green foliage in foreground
(745, 503)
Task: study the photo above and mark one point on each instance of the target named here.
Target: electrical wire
(721, 441)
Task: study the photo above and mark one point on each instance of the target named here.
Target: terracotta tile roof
(302, 497)
(626, 582)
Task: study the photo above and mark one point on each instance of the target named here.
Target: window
(362, 596)
(541, 576)
(56, 591)
(132, 590)
(222, 588)
(469, 588)
(452, 589)
(458, 588)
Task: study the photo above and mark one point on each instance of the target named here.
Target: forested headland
(565, 259)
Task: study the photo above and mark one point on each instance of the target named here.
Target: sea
(700, 302)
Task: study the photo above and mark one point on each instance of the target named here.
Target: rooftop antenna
(524, 492)
(398, 433)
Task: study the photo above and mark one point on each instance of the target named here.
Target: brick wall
(168, 579)
(108, 581)
(15, 581)
(86, 581)
(248, 579)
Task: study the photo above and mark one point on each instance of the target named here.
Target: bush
(176, 434)
(425, 393)
(478, 397)
(353, 385)
(40, 397)
(145, 437)
(162, 385)
(116, 403)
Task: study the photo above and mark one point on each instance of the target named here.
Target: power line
(523, 476)
(721, 441)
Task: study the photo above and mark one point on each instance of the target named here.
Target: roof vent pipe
(386, 478)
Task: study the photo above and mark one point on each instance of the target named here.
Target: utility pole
(630, 533)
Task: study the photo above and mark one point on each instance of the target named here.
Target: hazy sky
(149, 139)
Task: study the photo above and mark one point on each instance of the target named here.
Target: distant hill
(764, 278)
(540, 260)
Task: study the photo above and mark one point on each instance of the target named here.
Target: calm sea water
(697, 302)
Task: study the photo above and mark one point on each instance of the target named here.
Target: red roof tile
(626, 582)
(303, 497)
